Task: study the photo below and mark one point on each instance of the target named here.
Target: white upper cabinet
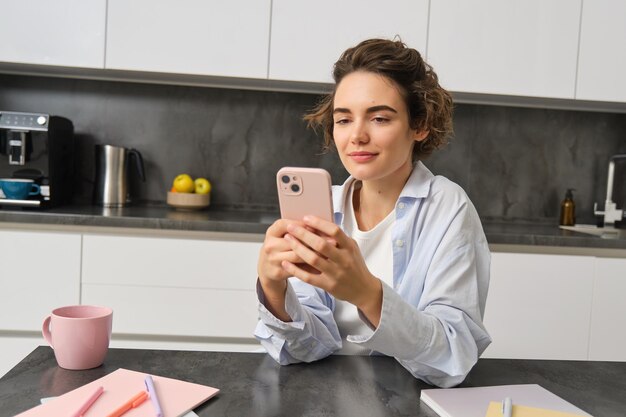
(207, 37)
(602, 61)
(68, 33)
(521, 48)
(308, 37)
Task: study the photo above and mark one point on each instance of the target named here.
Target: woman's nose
(359, 133)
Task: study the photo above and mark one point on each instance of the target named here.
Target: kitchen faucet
(611, 213)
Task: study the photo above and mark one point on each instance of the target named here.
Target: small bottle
(568, 209)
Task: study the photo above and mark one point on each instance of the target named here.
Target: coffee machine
(38, 147)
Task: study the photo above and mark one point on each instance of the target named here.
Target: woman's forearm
(274, 292)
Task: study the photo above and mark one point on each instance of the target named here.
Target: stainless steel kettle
(111, 184)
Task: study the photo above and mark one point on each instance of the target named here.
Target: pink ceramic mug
(79, 335)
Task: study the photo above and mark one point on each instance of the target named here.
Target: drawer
(167, 262)
(176, 311)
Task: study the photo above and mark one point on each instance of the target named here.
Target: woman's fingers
(325, 228)
(279, 227)
(306, 274)
(276, 245)
(323, 245)
(313, 256)
(274, 251)
(289, 256)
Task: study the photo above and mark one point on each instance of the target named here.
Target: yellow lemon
(183, 184)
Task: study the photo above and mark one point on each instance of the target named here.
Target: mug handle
(35, 189)
(46, 331)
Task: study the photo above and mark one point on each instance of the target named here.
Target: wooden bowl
(188, 201)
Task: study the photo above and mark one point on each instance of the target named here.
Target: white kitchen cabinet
(40, 271)
(220, 38)
(607, 339)
(539, 306)
(173, 287)
(521, 48)
(198, 312)
(602, 60)
(307, 38)
(15, 348)
(68, 33)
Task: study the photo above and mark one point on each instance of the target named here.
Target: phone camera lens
(285, 179)
(295, 188)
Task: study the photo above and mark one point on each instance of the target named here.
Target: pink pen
(92, 399)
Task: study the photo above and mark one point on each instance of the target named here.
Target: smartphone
(304, 191)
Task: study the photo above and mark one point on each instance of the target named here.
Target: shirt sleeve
(438, 335)
(311, 335)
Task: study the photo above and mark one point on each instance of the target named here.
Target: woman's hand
(272, 276)
(333, 262)
(274, 251)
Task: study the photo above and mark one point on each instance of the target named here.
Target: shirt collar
(417, 186)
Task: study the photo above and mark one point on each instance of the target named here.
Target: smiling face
(371, 128)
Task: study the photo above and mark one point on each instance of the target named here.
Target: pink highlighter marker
(92, 399)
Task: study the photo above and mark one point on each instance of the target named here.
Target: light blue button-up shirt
(431, 320)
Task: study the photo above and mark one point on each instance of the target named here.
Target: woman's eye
(341, 121)
(380, 119)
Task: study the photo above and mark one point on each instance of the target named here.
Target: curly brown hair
(428, 104)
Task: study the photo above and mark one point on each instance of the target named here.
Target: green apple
(183, 183)
(203, 186)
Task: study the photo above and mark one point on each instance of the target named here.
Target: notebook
(187, 414)
(475, 401)
(175, 396)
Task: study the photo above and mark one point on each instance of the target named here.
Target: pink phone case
(304, 191)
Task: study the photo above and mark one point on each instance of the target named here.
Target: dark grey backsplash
(515, 163)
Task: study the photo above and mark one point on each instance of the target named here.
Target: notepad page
(495, 410)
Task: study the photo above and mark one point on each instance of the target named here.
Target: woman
(404, 271)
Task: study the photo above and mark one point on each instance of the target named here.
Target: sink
(592, 229)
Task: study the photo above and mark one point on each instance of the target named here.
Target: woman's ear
(420, 135)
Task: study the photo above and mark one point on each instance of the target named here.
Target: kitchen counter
(157, 217)
(153, 216)
(542, 234)
(252, 384)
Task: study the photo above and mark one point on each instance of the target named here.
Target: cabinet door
(539, 306)
(524, 48)
(209, 37)
(307, 38)
(602, 61)
(15, 348)
(182, 287)
(67, 33)
(608, 317)
(40, 271)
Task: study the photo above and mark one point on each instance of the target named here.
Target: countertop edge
(251, 226)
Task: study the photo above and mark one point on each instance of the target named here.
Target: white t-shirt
(376, 249)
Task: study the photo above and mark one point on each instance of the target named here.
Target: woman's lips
(362, 156)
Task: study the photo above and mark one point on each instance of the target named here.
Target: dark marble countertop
(161, 217)
(252, 384)
(149, 216)
(542, 234)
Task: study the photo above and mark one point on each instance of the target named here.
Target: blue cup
(18, 189)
